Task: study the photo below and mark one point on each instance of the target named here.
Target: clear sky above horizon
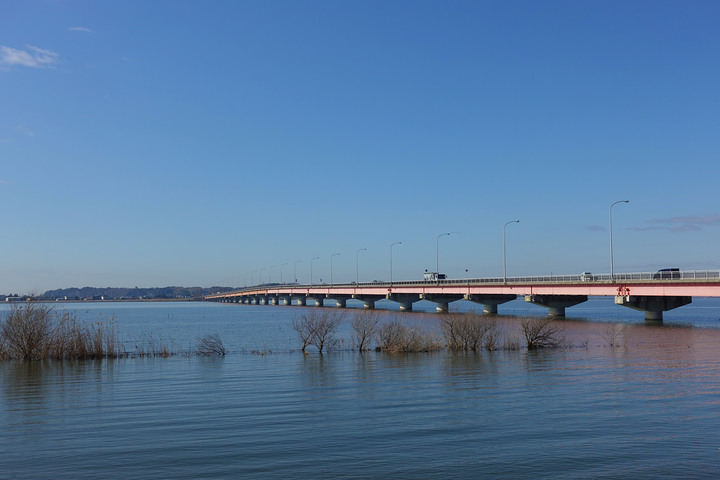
(193, 143)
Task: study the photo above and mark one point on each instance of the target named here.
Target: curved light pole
(281, 265)
(331, 269)
(437, 257)
(295, 270)
(261, 270)
(391, 245)
(505, 250)
(311, 260)
(357, 263)
(612, 268)
(270, 273)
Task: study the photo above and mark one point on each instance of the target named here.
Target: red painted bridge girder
(650, 288)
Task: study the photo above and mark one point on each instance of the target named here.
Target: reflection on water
(646, 407)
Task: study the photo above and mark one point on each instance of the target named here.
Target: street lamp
(331, 269)
(357, 270)
(295, 270)
(281, 265)
(261, 270)
(612, 268)
(311, 260)
(391, 245)
(437, 256)
(505, 249)
(270, 273)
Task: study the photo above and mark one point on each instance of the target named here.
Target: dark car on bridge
(667, 274)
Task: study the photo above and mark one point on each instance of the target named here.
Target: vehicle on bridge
(434, 276)
(586, 277)
(667, 273)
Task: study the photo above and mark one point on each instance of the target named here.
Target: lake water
(647, 409)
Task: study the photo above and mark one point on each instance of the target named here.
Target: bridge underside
(652, 306)
(490, 302)
(556, 304)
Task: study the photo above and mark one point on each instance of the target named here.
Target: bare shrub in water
(395, 336)
(211, 345)
(540, 333)
(364, 325)
(35, 331)
(26, 331)
(317, 327)
(613, 335)
(466, 331)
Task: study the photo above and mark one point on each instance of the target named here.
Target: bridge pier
(490, 302)
(652, 306)
(340, 299)
(404, 299)
(556, 304)
(301, 300)
(441, 300)
(318, 300)
(367, 301)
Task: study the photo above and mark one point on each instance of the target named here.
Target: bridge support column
(441, 300)
(490, 302)
(368, 301)
(340, 299)
(404, 299)
(652, 306)
(318, 300)
(556, 304)
(301, 301)
(263, 300)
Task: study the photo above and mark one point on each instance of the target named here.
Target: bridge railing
(667, 276)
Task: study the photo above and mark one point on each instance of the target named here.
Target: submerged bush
(396, 336)
(318, 328)
(540, 333)
(35, 331)
(211, 345)
(364, 325)
(469, 331)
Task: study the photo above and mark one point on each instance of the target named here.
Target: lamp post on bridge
(505, 249)
(357, 263)
(311, 260)
(437, 257)
(391, 245)
(295, 270)
(331, 267)
(612, 268)
(261, 270)
(270, 273)
(281, 265)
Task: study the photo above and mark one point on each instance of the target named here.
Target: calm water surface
(647, 409)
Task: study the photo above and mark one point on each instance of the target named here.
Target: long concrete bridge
(652, 293)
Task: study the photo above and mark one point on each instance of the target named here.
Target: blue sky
(191, 143)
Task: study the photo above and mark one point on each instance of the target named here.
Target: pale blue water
(649, 409)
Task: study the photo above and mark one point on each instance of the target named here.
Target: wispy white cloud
(80, 29)
(692, 223)
(25, 130)
(33, 57)
(3, 182)
(596, 228)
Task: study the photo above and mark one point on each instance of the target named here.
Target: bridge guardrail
(586, 278)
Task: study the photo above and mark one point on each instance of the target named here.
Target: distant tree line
(136, 293)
